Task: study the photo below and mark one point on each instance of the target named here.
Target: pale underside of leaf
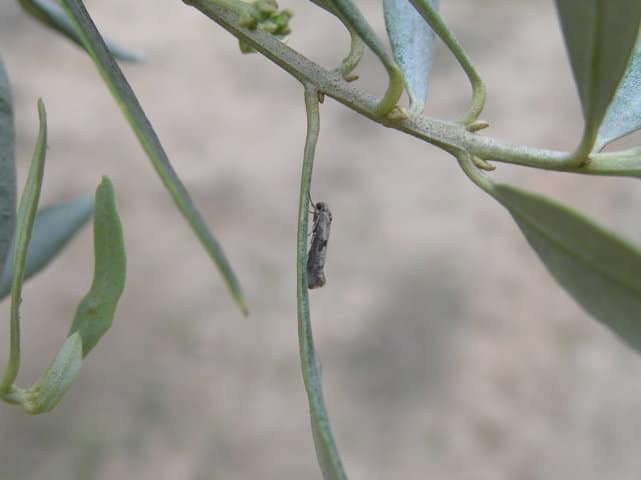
(599, 35)
(624, 113)
(47, 392)
(412, 42)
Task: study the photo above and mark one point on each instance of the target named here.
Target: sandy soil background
(448, 351)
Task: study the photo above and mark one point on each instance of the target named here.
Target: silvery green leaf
(624, 114)
(142, 128)
(598, 269)
(54, 226)
(600, 36)
(412, 42)
(7, 168)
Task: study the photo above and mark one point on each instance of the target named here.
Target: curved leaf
(7, 168)
(598, 269)
(24, 224)
(51, 15)
(133, 112)
(599, 35)
(96, 310)
(412, 41)
(47, 392)
(54, 226)
(624, 113)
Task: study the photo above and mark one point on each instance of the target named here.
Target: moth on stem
(318, 250)
(326, 450)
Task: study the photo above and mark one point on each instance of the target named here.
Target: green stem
(237, 6)
(396, 85)
(326, 450)
(353, 58)
(443, 134)
(26, 216)
(581, 155)
(432, 17)
(481, 180)
(356, 47)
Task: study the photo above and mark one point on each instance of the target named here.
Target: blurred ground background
(448, 351)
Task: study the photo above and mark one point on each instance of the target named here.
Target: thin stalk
(432, 17)
(356, 47)
(352, 15)
(353, 58)
(26, 216)
(326, 450)
(480, 179)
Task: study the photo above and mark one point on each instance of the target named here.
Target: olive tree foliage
(597, 268)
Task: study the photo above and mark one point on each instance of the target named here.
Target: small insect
(318, 249)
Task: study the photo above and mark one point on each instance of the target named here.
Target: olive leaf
(133, 112)
(624, 113)
(600, 36)
(598, 269)
(412, 41)
(7, 167)
(24, 224)
(96, 310)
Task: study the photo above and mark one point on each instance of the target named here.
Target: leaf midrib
(576, 254)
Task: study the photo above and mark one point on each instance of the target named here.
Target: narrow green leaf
(599, 35)
(412, 41)
(624, 114)
(54, 226)
(51, 15)
(141, 126)
(7, 168)
(26, 215)
(96, 310)
(47, 392)
(598, 269)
